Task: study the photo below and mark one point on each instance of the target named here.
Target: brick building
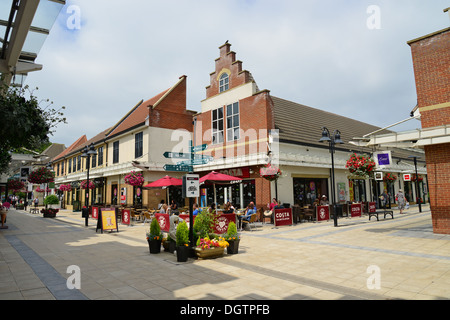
(431, 59)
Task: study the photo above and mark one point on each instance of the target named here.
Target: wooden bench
(385, 212)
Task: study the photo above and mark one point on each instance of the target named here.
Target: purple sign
(383, 159)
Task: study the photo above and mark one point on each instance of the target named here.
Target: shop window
(217, 126)
(307, 190)
(233, 121)
(224, 82)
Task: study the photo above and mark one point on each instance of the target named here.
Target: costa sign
(356, 210)
(323, 213)
(283, 217)
(372, 207)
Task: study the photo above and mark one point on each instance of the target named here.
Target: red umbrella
(216, 177)
(165, 182)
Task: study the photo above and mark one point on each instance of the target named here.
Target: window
(223, 82)
(217, 126)
(70, 165)
(233, 121)
(116, 152)
(79, 162)
(100, 156)
(94, 161)
(138, 145)
(74, 164)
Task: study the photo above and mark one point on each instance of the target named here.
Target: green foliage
(51, 199)
(155, 230)
(204, 223)
(25, 123)
(232, 233)
(182, 234)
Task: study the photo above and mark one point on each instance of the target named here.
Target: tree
(25, 123)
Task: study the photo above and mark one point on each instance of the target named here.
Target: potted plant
(154, 237)
(203, 224)
(182, 242)
(207, 248)
(233, 239)
(51, 201)
(49, 213)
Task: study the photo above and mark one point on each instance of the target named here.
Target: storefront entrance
(307, 190)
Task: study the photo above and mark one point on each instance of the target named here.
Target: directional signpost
(190, 181)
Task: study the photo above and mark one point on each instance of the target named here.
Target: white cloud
(318, 53)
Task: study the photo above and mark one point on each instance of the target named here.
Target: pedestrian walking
(401, 200)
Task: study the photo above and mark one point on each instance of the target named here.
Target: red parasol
(165, 182)
(216, 177)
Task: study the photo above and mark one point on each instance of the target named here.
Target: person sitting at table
(163, 208)
(161, 204)
(212, 208)
(273, 204)
(173, 208)
(251, 209)
(228, 208)
(324, 201)
(195, 208)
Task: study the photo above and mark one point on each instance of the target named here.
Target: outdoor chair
(252, 221)
(147, 217)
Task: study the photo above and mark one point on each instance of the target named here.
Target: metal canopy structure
(24, 26)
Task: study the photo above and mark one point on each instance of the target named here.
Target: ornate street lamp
(87, 153)
(332, 140)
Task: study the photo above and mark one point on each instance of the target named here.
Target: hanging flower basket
(270, 172)
(134, 179)
(38, 189)
(414, 178)
(83, 184)
(15, 184)
(41, 175)
(389, 177)
(65, 187)
(361, 166)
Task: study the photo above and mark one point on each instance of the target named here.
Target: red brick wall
(431, 58)
(171, 112)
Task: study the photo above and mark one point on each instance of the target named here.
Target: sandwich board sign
(107, 220)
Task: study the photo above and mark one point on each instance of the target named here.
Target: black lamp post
(418, 196)
(332, 140)
(87, 153)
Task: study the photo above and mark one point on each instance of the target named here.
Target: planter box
(49, 215)
(154, 246)
(233, 247)
(209, 253)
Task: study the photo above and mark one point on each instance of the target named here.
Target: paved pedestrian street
(396, 258)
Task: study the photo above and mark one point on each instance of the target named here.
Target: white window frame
(216, 120)
(233, 118)
(224, 82)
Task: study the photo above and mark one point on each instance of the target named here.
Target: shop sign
(283, 217)
(383, 158)
(126, 216)
(323, 213)
(407, 177)
(356, 210)
(372, 207)
(237, 172)
(94, 212)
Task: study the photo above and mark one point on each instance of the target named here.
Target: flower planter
(182, 253)
(49, 215)
(154, 245)
(233, 247)
(209, 253)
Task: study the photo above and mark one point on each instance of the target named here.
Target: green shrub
(51, 199)
(204, 223)
(232, 233)
(182, 234)
(155, 231)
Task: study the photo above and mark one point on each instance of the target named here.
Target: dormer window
(223, 82)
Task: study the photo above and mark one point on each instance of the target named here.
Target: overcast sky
(347, 57)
